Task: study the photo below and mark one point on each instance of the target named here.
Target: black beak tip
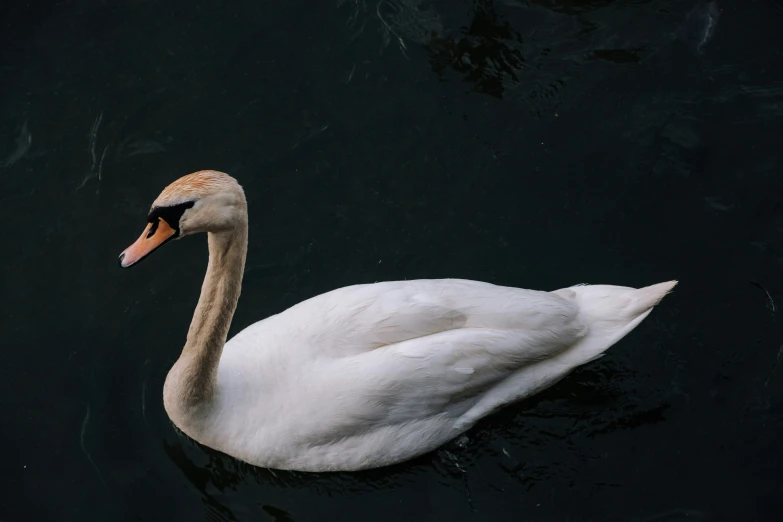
(122, 256)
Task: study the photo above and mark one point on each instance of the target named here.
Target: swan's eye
(153, 228)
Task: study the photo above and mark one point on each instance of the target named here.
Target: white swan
(368, 375)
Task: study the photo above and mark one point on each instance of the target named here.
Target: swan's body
(368, 375)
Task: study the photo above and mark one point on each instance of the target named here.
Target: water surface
(526, 143)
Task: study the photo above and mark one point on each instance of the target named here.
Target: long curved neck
(191, 383)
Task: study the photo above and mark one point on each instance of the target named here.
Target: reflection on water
(487, 53)
(530, 52)
(18, 146)
(700, 25)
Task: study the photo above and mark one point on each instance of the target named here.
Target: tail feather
(650, 296)
(610, 313)
(619, 303)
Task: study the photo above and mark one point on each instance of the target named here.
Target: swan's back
(358, 318)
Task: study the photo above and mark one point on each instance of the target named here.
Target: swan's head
(205, 201)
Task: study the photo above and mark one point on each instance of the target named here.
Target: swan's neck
(191, 384)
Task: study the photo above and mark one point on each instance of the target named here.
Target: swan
(368, 375)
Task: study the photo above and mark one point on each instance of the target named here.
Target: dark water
(526, 143)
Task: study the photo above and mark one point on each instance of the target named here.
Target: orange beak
(153, 236)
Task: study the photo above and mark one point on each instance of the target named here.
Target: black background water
(534, 144)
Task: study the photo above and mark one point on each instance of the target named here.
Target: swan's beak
(153, 236)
